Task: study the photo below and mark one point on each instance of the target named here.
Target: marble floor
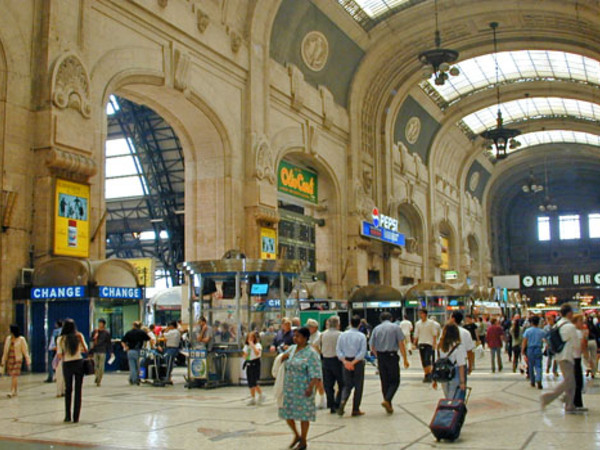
(504, 413)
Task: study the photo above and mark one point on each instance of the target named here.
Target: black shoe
(532, 384)
(539, 385)
(340, 410)
(295, 443)
(48, 381)
(67, 419)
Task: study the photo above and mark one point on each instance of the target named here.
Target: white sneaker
(322, 402)
(251, 402)
(261, 399)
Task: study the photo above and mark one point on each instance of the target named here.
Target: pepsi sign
(383, 221)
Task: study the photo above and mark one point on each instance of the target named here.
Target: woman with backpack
(452, 354)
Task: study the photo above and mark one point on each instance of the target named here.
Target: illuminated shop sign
(383, 228)
(300, 183)
(119, 292)
(561, 280)
(62, 292)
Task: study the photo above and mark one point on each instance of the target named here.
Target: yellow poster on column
(72, 219)
(268, 243)
(144, 268)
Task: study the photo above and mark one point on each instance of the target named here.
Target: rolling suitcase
(448, 419)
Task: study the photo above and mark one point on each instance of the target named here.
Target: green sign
(298, 182)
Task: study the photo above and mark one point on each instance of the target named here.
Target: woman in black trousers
(579, 349)
(70, 345)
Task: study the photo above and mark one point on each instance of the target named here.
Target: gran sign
(570, 280)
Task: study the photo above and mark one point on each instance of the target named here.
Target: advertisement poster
(445, 243)
(297, 182)
(268, 243)
(144, 268)
(71, 219)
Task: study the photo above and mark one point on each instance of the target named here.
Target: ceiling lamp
(547, 205)
(502, 138)
(437, 61)
(532, 186)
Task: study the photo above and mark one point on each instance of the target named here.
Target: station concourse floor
(504, 413)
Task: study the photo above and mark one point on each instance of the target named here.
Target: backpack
(444, 369)
(555, 340)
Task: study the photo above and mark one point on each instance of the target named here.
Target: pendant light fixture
(547, 205)
(437, 61)
(501, 137)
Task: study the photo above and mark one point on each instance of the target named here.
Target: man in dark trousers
(101, 345)
(351, 350)
(132, 343)
(387, 338)
(332, 366)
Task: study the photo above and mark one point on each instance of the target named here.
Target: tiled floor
(503, 413)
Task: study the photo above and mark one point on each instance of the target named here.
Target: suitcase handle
(468, 393)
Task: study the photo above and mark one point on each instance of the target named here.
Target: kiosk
(440, 299)
(235, 295)
(370, 301)
(83, 291)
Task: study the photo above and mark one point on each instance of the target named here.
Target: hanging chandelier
(501, 137)
(532, 186)
(547, 205)
(437, 61)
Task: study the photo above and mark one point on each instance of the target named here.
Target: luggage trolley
(154, 368)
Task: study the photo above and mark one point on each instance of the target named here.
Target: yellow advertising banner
(144, 268)
(445, 243)
(72, 219)
(268, 243)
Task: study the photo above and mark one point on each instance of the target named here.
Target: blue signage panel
(119, 292)
(63, 292)
(382, 234)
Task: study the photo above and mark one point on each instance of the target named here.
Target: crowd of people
(318, 370)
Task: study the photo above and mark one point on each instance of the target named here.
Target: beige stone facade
(206, 67)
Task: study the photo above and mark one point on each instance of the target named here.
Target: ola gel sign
(300, 183)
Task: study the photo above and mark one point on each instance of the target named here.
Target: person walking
(315, 335)
(465, 338)
(331, 366)
(52, 350)
(516, 340)
(302, 374)
(101, 345)
(451, 347)
(481, 331)
(565, 359)
(426, 335)
(407, 328)
(132, 343)
(579, 349)
(71, 344)
(251, 353)
(494, 337)
(15, 350)
(351, 350)
(551, 361)
(172, 337)
(533, 339)
(386, 339)
(592, 354)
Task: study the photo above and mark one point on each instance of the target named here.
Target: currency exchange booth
(236, 295)
(83, 291)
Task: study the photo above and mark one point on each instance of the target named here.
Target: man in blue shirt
(351, 349)
(532, 348)
(386, 340)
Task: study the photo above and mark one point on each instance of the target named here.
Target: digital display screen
(453, 302)
(259, 289)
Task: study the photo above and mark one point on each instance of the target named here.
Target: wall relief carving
(71, 85)
(310, 135)
(363, 189)
(315, 50)
(202, 19)
(328, 106)
(181, 69)
(264, 166)
(69, 164)
(412, 130)
(297, 88)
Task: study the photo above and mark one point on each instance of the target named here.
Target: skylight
(369, 12)
(124, 176)
(558, 137)
(531, 108)
(518, 66)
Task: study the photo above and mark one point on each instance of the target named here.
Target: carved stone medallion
(412, 130)
(315, 50)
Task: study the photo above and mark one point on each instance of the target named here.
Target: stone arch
(331, 244)
(415, 242)
(211, 180)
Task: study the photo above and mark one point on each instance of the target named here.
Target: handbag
(88, 366)
(444, 369)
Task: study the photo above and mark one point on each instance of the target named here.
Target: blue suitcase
(448, 419)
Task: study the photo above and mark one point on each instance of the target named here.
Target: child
(251, 353)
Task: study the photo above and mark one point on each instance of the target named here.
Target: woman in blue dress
(302, 375)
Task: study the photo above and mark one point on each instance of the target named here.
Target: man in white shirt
(426, 333)
(465, 338)
(568, 333)
(407, 328)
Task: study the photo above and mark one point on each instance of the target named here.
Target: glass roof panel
(558, 137)
(531, 108)
(376, 8)
(479, 73)
(123, 187)
(124, 174)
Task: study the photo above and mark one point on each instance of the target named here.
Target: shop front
(553, 289)
(82, 290)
